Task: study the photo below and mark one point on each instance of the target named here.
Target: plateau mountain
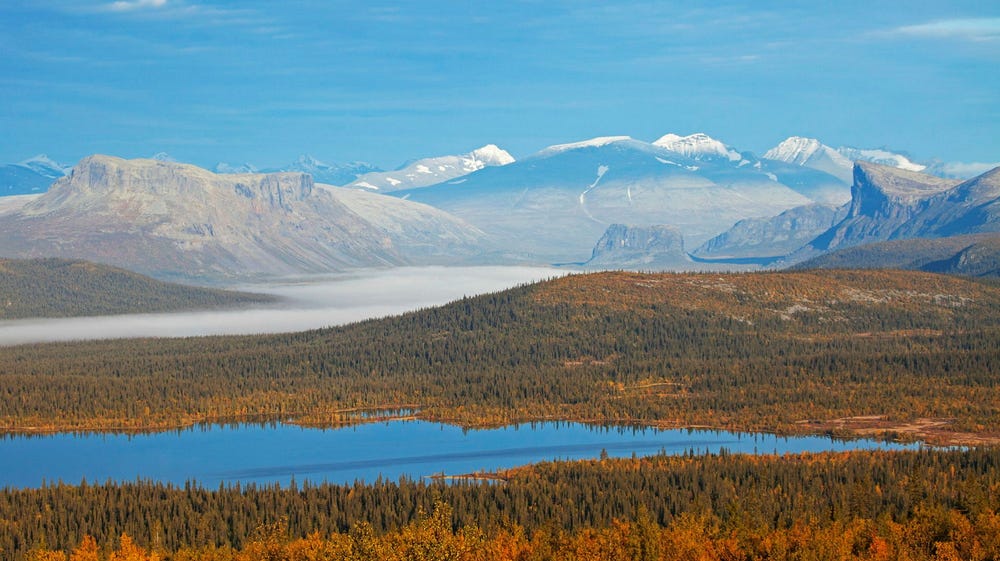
(174, 220)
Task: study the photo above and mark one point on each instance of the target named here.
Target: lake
(306, 303)
(276, 453)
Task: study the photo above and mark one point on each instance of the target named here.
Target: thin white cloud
(967, 29)
(132, 5)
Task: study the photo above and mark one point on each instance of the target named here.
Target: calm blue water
(277, 453)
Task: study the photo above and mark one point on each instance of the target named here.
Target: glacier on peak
(697, 146)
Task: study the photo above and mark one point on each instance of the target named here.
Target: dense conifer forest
(776, 352)
(861, 505)
(54, 287)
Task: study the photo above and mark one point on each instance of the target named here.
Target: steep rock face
(428, 171)
(883, 200)
(643, 247)
(175, 220)
(774, 236)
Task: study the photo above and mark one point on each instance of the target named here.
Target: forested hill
(64, 288)
(805, 351)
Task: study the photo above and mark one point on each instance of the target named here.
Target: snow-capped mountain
(551, 206)
(428, 171)
(811, 153)
(332, 174)
(698, 146)
(177, 220)
(30, 176)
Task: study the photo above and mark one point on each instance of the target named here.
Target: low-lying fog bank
(307, 303)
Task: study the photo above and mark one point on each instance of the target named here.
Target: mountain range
(176, 220)
(606, 202)
(553, 206)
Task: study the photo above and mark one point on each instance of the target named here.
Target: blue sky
(265, 81)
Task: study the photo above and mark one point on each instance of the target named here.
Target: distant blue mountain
(32, 176)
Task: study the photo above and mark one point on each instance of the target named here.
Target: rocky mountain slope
(772, 237)
(177, 220)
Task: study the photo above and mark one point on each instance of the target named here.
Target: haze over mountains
(554, 205)
(609, 202)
